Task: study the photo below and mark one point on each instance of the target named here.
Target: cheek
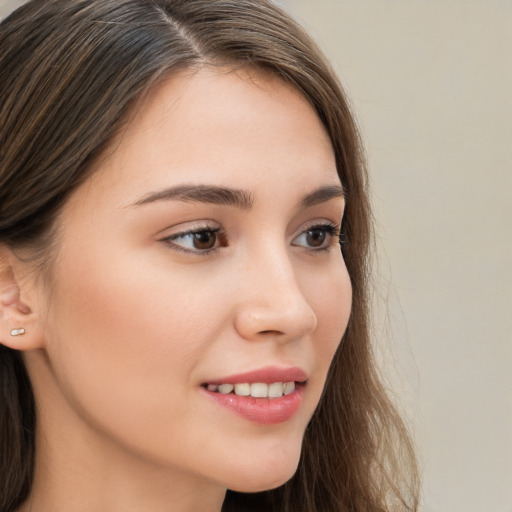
(331, 300)
(128, 337)
(126, 340)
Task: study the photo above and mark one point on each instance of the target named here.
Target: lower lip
(263, 411)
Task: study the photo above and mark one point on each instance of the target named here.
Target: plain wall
(431, 84)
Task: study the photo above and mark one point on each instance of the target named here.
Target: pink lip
(266, 375)
(263, 411)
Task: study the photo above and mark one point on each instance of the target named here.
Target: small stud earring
(18, 332)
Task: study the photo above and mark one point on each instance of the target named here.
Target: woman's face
(202, 253)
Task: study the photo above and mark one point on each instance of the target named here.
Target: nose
(273, 306)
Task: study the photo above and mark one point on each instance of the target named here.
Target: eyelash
(331, 230)
(220, 233)
(333, 236)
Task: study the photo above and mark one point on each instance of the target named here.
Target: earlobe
(19, 324)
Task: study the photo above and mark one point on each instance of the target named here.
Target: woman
(179, 328)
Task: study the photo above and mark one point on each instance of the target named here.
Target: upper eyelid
(192, 231)
(334, 230)
(188, 227)
(213, 226)
(316, 224)
(321, 223)
(170, 240)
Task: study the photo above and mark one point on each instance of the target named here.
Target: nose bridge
(273, 302)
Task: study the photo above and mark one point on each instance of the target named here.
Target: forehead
(218, 125)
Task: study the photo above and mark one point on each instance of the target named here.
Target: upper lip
(267, 374)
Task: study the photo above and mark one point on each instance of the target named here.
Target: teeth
(275, 390)
(259, 390)
(256, 390)
(288, 387)
(226, 388)
(242, 389)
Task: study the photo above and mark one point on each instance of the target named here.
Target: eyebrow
(322, 195)
(225, 196)
(202, 194)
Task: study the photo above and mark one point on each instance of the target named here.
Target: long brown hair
(70, 71)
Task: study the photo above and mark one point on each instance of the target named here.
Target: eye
(319, 237)
(198, 241)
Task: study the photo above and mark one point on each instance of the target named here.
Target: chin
(256, 485)
(265, 476)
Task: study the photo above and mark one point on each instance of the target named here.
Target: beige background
(431, 84)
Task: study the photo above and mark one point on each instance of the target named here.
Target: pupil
(204, 240)
(316, 237)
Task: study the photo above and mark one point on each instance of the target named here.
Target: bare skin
(155, 295)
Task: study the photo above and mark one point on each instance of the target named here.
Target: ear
(18, 308)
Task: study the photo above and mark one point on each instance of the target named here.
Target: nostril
(277, 320)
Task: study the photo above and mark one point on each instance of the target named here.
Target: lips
(267, 375)
(256, 389)
(267, 396)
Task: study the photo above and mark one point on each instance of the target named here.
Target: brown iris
(316, 237)
(204, 240)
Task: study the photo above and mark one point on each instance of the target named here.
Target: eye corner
(318, 236)
(197, 240)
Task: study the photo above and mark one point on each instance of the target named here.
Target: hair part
(71, 71)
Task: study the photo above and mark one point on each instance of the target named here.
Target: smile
(267, 396)
(256, 389)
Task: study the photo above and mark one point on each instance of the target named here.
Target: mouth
(267, 396)
(255, 389)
